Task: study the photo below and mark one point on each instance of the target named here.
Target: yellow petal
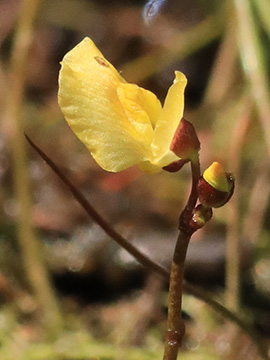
(141, 107)
(168, 121)
(149, 168)
(100, 117)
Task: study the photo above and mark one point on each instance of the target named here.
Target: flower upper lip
(121, 124)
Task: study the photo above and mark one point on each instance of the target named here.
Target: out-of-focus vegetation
(67, 291)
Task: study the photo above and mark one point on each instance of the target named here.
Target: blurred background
(67, 291)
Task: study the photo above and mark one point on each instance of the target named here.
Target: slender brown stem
(196, 172)
(141, 258)
(148, 263)
(175, 325)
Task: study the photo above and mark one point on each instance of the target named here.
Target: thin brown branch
(144, 260)
(141, 258)
(185, 216)
(175, 324)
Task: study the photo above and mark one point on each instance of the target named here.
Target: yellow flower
(121, 124)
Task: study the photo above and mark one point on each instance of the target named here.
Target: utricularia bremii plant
(123, 125)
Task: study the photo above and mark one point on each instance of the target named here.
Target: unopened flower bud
(215, 187)
(185, 143)
(200, 216)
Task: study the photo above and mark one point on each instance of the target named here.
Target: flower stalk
(175, 324)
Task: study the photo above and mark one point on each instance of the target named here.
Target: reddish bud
(200, 216)
(215, 187)
(185, 143)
